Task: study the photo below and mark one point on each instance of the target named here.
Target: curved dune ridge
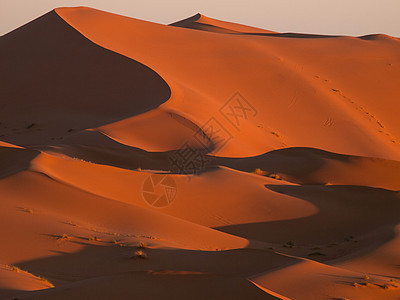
(202, 159)
(202, 22)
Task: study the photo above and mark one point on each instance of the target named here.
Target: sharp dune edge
(95, 107)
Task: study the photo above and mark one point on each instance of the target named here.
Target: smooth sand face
(116, 131)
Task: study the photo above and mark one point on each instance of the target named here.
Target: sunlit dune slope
(202, 22)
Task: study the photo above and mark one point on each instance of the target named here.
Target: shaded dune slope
(14, 160)
(62, 81)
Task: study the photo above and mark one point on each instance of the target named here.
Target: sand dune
(13, 280)
(318, 167)
(201, 22)
(281, 83)
(311, 280)
(60, 69)
(203, 159)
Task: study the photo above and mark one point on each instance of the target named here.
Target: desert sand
(198, 160)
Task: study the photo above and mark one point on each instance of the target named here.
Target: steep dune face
(55, 81)
(202, 159)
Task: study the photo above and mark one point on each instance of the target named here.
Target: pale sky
(348, 17)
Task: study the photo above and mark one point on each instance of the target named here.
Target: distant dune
(198, 160)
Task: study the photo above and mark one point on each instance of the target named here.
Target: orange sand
(96, 107)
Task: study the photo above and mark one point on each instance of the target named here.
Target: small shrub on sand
(93, 238)
(140, 254)
(16, 269)
(141, 245)
(276, 134)
(258, 171)
(64, 237)
(366, 277)
(72, 224)
(291, 243)
(275, 176)
(29, 211)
